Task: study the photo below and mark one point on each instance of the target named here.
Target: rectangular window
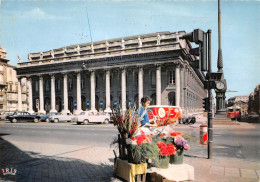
(153, 78)
(70, 84)
(83, 83)
(36, 86)
(171, 77)
(59, 85)
(47, 86)
(1, 106)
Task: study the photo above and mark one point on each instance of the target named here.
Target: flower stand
(129, 171)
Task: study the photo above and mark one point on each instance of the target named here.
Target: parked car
(4, 114)
(23, 116)
(61, 117)
(46, 117)
(91, 117)
(253, 116)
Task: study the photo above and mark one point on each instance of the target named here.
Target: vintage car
(60, 117)
(46, 118)
(87, 117)
(4, 114)
(253, 116)
(23, 116)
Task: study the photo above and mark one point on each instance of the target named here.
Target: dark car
(253, 116)
(46, 118)
(23, 116)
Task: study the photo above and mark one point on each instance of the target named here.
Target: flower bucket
(177, 158)
(163, 162)
(134, 154)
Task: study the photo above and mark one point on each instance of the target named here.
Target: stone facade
(254, 100)
(233, 100)
(100, 75)
(9, 86)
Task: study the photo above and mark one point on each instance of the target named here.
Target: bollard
(204, 134)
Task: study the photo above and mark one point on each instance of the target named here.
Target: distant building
(9, 86)
(233, 100)
(254, 100)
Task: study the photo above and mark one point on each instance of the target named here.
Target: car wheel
(85, 121)
(106, 121)
(56, 120)
(14, 120)
(78, 123)
(36, 120)
(47, 120)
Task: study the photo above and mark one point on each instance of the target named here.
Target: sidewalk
(56, 162)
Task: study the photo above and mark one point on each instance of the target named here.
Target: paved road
(99, 135)
(228, 141)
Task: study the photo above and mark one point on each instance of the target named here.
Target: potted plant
(164, 153)
(181, 144)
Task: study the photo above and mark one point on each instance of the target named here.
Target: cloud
(37, 13)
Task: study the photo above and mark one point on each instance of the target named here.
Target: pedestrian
(143, 115)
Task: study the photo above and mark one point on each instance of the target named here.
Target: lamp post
(220, 92)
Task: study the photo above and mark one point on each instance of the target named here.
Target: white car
(91, 117)
(61, 117)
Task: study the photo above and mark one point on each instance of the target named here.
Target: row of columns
(92, 90)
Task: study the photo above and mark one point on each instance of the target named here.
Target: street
(71, 152)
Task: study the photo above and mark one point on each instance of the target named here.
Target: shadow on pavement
(32, 166)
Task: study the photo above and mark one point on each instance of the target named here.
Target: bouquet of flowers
(166, 150)
(181, 143)
(126, 122)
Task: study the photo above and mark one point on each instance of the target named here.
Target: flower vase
(163, 162)
(177, 158)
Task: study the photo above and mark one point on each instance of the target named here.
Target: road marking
(220, 147)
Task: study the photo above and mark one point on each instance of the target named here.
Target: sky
(28, 26)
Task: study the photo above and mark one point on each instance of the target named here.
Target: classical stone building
(9, 86)
(233, 100)
(101, 75)
(254, 100)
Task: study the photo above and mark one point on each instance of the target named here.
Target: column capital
(92, 70)
(107, 69)
(140, 67)
(122, 68)
(158, 66)
(52, 76)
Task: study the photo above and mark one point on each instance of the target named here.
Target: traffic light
(205, 104)
(199, 37)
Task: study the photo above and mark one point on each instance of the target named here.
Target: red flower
(175, 134)
(167, 149)
(133, 138)
(161, 144)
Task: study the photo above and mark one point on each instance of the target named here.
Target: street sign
(115, 103)
(88, 105)
(101, 104)
(75, 104)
